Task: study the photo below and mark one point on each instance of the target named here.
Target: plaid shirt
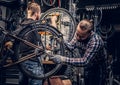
(90, 48)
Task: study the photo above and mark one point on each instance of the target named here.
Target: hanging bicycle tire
(66, 22)
(49, 2)
(47, 35)
(106, 31)
(112, 80)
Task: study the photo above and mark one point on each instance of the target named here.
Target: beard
(38, 17)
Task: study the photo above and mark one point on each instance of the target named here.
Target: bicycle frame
(25, 42)
(38, 51)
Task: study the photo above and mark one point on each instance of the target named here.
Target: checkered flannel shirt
(92, 48)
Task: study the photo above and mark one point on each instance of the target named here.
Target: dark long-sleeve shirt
(90, 47)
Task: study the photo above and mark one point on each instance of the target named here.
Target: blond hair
(33, 8)
(86, 24)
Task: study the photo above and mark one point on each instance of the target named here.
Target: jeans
(35, 69)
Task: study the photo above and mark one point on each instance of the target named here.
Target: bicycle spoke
(49, 36)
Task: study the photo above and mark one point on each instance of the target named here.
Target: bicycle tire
(65, 17)
(106, 32)
(53, 32)
(111, 80)
(49, 2)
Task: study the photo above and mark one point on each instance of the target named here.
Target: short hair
(86, 26)
(33, 8)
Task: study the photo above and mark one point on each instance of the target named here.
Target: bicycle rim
(46, 32)
(67, 24)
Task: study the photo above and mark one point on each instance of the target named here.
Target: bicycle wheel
(49, 2)
(106, 31)
(112, 80)
(66, 22)
(46, 35)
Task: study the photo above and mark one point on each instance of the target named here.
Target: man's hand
(58, 59)
(9, 44)
(48, 47)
